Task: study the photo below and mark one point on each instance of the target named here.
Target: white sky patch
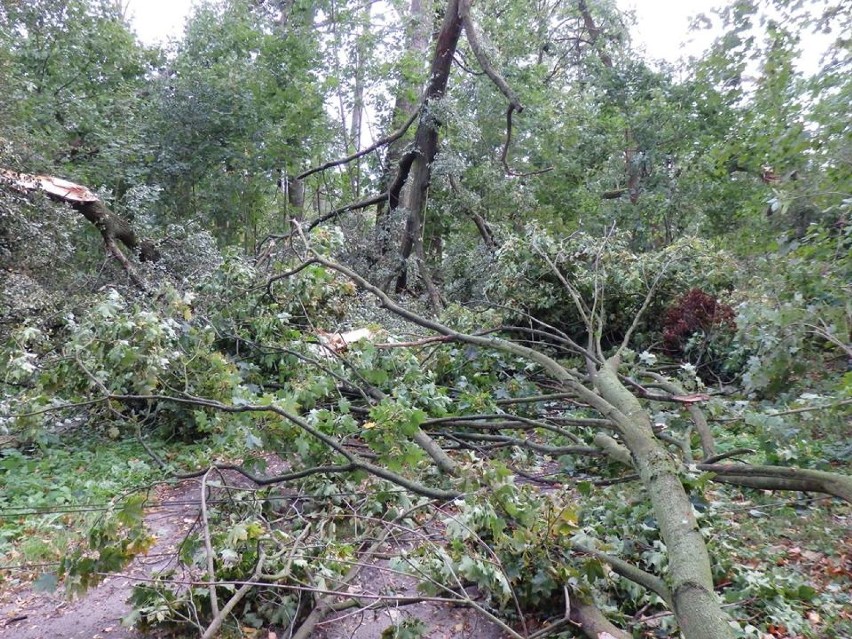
(662, 31)
(157, 21)
(662, 27)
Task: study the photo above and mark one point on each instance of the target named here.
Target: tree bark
(695, 602)
(358, 107)
(594, 33)
(111, 226)
(419, 171)
(782, 478)
(593, 623)
(295, 199)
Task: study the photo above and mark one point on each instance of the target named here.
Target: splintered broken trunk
(111, 226)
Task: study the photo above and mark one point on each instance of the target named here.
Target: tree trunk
(418, 31)
(358, 106)
(695, 602)
(418, 162)
(295, 198)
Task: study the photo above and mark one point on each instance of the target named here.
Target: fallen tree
(388, 424)
(112, 227)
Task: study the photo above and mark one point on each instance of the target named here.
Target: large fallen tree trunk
(693, 599)
(111, 226)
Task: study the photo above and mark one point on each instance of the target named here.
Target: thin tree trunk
(425, 146)
(296, 197)
(358, 105)
(419, 30)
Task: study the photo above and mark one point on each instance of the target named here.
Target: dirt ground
(26, 614)
(443, 621)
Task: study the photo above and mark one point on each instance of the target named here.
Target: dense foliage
(642, 246)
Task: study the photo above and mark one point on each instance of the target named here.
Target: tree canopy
(459, 303)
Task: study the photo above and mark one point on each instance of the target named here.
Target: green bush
(613, 280)
(794, 317)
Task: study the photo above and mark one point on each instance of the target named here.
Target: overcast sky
(662, 27)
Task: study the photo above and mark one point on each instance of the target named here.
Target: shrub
(699, 328)
(605, 273)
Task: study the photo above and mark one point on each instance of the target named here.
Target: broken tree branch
(81, 199)
(708, 444)
(782, 478)
(362, 204)
(208, 546)
(499, 81)
(353, 459)
(484, 62)
(388, 139)
(220, 617)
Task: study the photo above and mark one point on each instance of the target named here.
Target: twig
(362, 204)
(511, 422)
(324, 606)
(645, 304)
(219, 618)
(420, 342)
(211, 568)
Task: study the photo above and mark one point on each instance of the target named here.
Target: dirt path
(440, 620)
(25, 614)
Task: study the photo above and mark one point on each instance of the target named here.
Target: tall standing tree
(239, 106)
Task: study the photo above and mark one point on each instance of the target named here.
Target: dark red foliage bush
(695, 312)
